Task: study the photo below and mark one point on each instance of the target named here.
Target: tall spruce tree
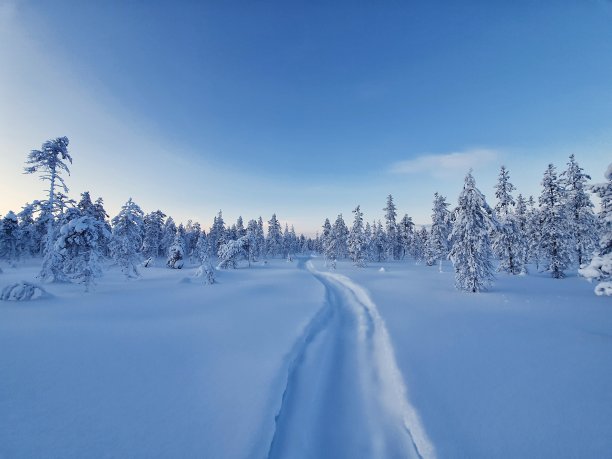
(471, 249)
(392, 238)
(556, 239)
(582, 220)
(437, 244)
(126, 239)
(356, 240)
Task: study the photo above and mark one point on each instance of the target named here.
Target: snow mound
(604, 288)
(382, 270)
(23, 291)
(206, 274)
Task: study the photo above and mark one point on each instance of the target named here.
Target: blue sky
(304, 109)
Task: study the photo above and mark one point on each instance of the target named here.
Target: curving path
(344, 396)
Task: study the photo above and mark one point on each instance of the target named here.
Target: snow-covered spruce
(153, 233)
(176, 252)
(436, 249)
(23, 291)
(274, 240)
(50, 161)
(356, 240)
(600, 267)
(205, 273)
(78, 249)
(556, 239)
(581, 218)
(471, 249)
(127, 238)
(507, 244)
(231, 252)
(9, 238)
(393, 245)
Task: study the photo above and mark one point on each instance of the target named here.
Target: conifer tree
(176, 252)
(406, 235)
(437, 243)
(600, 267)
(328, 245)
(51, 160)
(340, 235)
(392, 239)
(9, 238)
(356, 240)
(274, 241)
(471, 250)
(556, 239)
(153, 233)
(126, 238)
(506, 241)
(582, 220)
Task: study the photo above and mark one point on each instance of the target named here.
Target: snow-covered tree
(127, 238)
(176, 252)
(556, 241)
(534, 232)
(252, 249)
(28, 237)
(328, 245)
(192, 234)
(217, 234)
(379, 243)
(437, 248)
(600, 267)
(78, 250)
(582, 220)
(274, 241)
(340, 234)
(169, 233)
(392, 238)
(97, 211)
(206, 272)
(9, 238)
(507, 244)
(231, 252)
(406, 235)
(356, 240)
(261, 239)
(419, 245)
(153, 233)
(471, 249)
(202, 250)
(521, 218)
(50, 161)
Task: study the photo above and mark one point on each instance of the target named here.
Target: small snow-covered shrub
(205, 273)
(231, 252)
(23, 291)
(176, 253)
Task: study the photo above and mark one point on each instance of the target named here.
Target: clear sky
(302, 108)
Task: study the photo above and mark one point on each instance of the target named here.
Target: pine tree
(522, 227)
(392, 239)
(437, 243)
(582, 220)
(533, 232)
(28, 240)
(328, 245)
(471, 250)
(274, 241)
(176, 252)
(97, 212)
(126, 238)
(356, 240)
(217, 234)
(369, 241)
(380, 245)
(168, 236)
(77, 249)
(153, 233)
(51, 160)
(600, 267)
(231, 252)
(252, 238)
(9, 238)
(406, 235)
(420, 244)
(506, 240)
(556, 239)
(261, 239)
(340, 234)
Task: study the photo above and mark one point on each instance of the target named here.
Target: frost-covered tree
(556, 241)
(153, 233)
(28, 238)
(471, 249)
(437, 248)
(521, 218)
(406, 235)
(206, 272)
(97, 212)
(50, 161)
(379, 242)
(176, 252)
(340, 234)
(274, 241)
(78, 249)
(261, 239)
(240, 229)
(169, 233)
(126, 238)
(506, 240)
(392, 237)
(534, 232)
(356, 240)
(231, 252)
(9, 238)
(582, 220)
(203, 249)
(192, 234)
(419, 245)
(600, 267)
(252, 249)
(217, 234)
(367, 235)
(328, 245)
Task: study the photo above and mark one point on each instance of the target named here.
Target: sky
(305, 109)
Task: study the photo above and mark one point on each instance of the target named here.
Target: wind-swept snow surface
(345, 396)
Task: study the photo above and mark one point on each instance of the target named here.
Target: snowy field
(289, 360)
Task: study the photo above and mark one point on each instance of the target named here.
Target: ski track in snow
(344, 396)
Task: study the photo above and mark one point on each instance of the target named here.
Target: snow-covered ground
(288, 360)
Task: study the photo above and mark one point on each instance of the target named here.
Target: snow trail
(344, 395)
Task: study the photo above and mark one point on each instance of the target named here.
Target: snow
(276, 358)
